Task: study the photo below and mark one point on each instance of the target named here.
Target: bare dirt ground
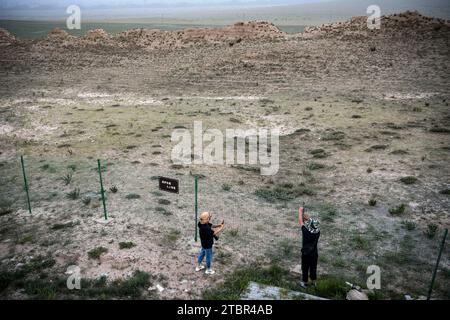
(358, 110)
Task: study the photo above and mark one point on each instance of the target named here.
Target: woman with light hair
(208, 233)
(310, 234)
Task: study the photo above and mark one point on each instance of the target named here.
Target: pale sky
(49, 4)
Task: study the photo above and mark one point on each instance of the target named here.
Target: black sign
(168, 184)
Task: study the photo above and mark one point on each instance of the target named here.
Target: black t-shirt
(206, 235)
(310, 240)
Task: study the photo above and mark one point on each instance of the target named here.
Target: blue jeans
(209, 255)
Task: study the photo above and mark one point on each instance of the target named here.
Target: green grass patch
(409, 225)
(163, 211)
(97, 252)
(26, 239)
(409, 180)
(315, 166)
(327, 212)
(283, 192)
(132, 287)
(171, 237)
(132, 196)
(400, 209)
(236, 283)
(33, 267)
(330, 287)
(431, 230)
(360, 242)
(284, 250)
(126, 245)
(5, 207)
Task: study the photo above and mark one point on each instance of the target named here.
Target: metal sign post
(25, 184)
(102, 191)
(437, 265)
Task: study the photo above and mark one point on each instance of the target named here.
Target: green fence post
(101, 188)
(196, 207)
(437, 264)
(25, 183)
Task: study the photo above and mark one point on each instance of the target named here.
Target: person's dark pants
(309, 266)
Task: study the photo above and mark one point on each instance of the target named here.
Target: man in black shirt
(310, 234)
(208, 233)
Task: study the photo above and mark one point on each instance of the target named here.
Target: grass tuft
(97, 252)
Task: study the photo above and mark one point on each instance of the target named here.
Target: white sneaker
(198, 268)
(209, 271)
(303, 285)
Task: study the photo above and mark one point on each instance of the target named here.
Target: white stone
(356, 295)
(160, 288)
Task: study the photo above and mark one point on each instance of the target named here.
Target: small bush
(233, 232)
(445, 191)
(376, 147)
(126, 245)
(315, 166)
(226, 187)
(376, 295)
(132, 196)
(97, 252)
(372, 202)
(5, 207)
(439, 130)
(431, 230)
(171, 237)
(284, 192)
(114, 189)
(409, 180)
(327, 213)
(26, 239)
(67, 178)
(74, 194)
(334, 136)
(163, 211)
(164, 201)
(400, 209)
(330, 287)
(409, 225)
(360, 243)
(399, 152)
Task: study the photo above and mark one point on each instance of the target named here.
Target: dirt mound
(58, 33)
(409, 23)
(150, 39)
(6, 38)
(158, 39)
(96, 35)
